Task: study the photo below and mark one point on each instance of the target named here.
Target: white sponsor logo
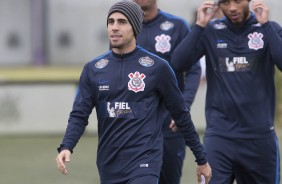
(144, 165)
(238, 63)
(118, 108)
(222, 45)
(104, 88)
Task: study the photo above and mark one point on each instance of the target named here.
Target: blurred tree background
(278, 78)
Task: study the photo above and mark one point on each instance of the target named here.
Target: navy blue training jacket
(240, 101)
(126, 91)
(161, 36)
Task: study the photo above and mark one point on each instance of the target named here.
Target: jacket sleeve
(192, 74)
(189, 51)
(174, 101)
(274, 36)
(192, 81)
(82, 108)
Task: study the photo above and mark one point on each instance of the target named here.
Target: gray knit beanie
(132, 11)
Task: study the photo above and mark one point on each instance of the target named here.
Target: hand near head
(261, 11)
(206, 12)
(205, 171)
(62, 158)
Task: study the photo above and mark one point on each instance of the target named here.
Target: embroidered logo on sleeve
(146, 61)
(136, 82)
(220, 25)
(166, 25)
(163, 45)
(255, 41)
(101, 63)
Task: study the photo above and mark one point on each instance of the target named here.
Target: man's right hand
(62, 158)
(205, 171)
(203, 13)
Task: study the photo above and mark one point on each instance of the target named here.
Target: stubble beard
(116, 46)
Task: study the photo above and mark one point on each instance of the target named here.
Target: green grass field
(31, 160)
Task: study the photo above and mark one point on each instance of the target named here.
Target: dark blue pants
(248, 161)
(143, 179)
(150, 179)
(173, 158)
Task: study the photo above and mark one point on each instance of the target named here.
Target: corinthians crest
(136, 82)
(163, 45)
(256, 41)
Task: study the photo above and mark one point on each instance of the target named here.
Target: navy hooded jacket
(240, 65)
(161, 36)
(126, 91)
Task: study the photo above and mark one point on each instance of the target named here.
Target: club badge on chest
(163, 43)
(136, 82)
(255, 41)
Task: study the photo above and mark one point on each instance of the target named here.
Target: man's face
(145, 4)
(120, 32)
(237, 11)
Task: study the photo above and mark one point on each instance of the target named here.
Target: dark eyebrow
(222, 1)
(118, 20)
(122, 19)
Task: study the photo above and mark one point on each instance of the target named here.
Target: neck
(127, 48)
(150, 12)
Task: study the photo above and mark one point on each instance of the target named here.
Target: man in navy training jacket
(161, 33)
(126, 86)
(241, 52)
